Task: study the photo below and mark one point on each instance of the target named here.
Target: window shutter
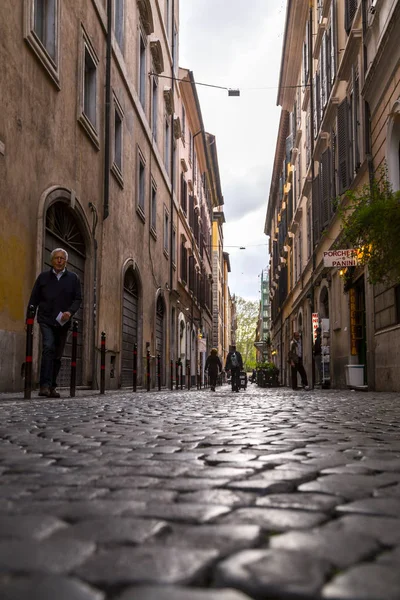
(333, 40)
(342, 142)
(350, 11)
(325, 188)
(316, 202)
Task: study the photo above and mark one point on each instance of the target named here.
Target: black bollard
(177, 374)
(72, 385)
(28, 353)
(171, 375)
(188, 376)
(181, 373)
(148, 369)
(159, 371)
(103, 363)
(134, 372)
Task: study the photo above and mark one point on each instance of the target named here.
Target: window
(88, 90)
(349, 13)
(167, 144)
(153, 207)
(42, 26)
(168, 17)
(142, 71)
(141, 186)
(117, 145)
(183, 193)
(183, 124)
(166, 231)
(173, 250)
(154, 107)
(184, 261)
(119, 22)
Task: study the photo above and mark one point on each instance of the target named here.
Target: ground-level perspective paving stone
(268, 494)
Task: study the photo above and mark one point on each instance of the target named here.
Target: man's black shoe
(53, 393)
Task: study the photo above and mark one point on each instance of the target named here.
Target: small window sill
(141, 214)
(116, 171)
(90, 130)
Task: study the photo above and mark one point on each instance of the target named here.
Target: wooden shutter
(342, 143)
(349, 12)
(325, 188)
(316, 201)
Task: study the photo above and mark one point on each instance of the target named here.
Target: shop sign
(315, 325)
(341, 258)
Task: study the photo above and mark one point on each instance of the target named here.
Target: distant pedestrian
(213, 367)
(296, 362)
(317, 350)
(57, 296)
(234, 364)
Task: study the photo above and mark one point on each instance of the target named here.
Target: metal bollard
(177, 375)
(171, 375)
(103, 363)
(148, 369)
(72, 385)
(159, 371)
(134, 372)
(181, 374)
(28, 353)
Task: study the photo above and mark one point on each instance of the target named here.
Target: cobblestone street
(265, 494)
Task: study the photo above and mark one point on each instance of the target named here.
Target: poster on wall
(325, 352)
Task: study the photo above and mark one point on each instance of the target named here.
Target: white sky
(238, 44)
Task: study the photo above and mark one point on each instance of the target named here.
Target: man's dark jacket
(51, 296)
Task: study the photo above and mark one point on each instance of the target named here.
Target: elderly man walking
(56, 295)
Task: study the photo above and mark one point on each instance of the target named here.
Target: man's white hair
(59, 250)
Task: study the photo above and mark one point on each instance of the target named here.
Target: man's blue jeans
(53, 341)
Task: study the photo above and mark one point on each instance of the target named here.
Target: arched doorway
(63, 230)
(130, 310)
(160, 312)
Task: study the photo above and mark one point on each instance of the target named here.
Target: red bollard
(72, 385)
(134, 373)
(148, 369)
(28, 354)
(103, 363)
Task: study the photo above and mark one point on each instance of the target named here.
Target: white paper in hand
(60, 320)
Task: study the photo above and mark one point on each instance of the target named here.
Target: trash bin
(354, 375)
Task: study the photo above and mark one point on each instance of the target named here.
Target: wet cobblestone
(187, 495)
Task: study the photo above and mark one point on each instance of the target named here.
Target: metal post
(181, 374)
(159, 371)
(28, 354)
(171, 375)
(177, 375)
(72, 385)
(148, 369)
(103, 363)
(188, 376)
(134, 373)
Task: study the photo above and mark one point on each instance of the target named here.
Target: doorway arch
(130, 325)
(160, 346)
(63, 229)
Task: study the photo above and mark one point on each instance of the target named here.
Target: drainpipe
(310, 75)
(106, 192)
(172, 175)
(94, 313)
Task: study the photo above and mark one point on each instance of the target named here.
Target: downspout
(172, 175)
(310, 78)
(106, 193)
(94, 312)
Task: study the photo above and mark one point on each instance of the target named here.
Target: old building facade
(92, 147)
(339, 91)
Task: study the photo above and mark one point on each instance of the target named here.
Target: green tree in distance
(247, 317)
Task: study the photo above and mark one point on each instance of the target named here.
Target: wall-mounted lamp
(233, 92)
